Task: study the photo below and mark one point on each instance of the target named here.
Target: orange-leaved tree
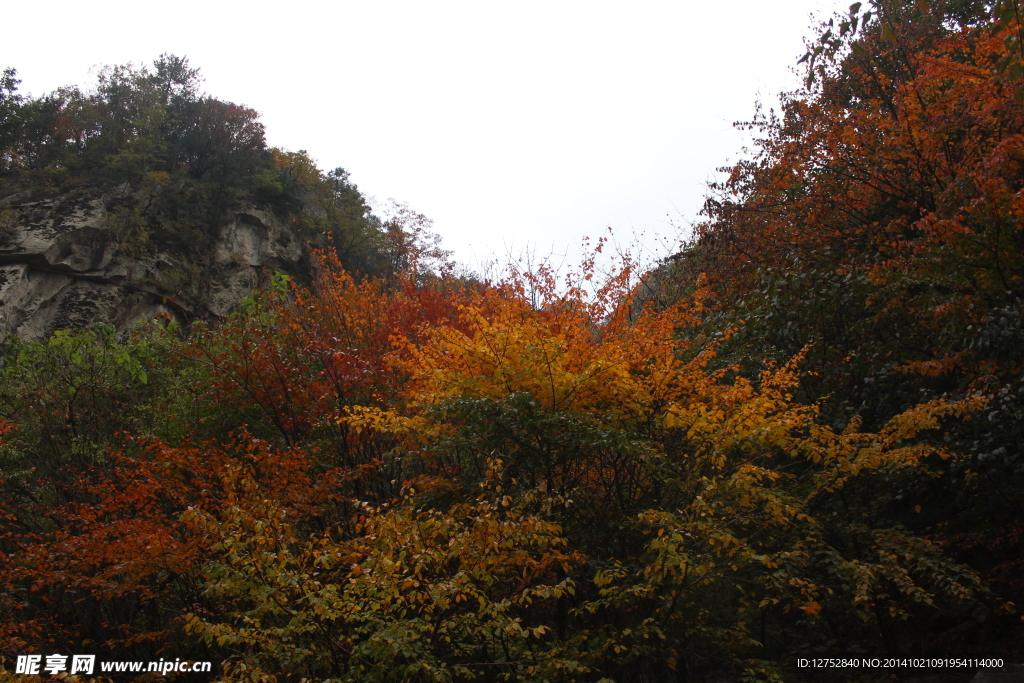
(703, 503)
(879, 222)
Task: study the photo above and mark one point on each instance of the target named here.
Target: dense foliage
(807, 444)
(879, 226)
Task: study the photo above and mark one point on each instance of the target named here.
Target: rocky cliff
(67, 262)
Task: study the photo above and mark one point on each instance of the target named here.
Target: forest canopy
(801, 438)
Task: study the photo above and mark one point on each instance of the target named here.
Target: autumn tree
(877, 224)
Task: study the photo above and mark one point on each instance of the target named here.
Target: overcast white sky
(510, 124)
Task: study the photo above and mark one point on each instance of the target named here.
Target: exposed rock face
(65, 265)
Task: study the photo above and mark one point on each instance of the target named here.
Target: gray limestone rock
(65, 264)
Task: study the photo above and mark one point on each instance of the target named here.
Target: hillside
(144, 198)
